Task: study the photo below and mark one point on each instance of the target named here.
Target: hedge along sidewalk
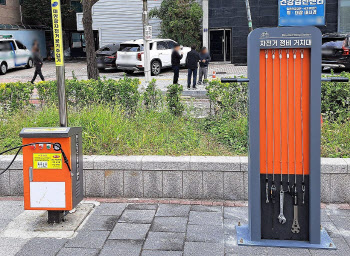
(186, 177)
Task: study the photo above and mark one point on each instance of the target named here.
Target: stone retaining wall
(195, 177)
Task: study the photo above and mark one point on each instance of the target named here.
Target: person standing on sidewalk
(38, 62)
(175, 62)
(204, 59)
(192, 65)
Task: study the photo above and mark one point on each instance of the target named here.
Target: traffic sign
(57, 32)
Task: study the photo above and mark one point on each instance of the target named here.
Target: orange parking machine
(52, 170)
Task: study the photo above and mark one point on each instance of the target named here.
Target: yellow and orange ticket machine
(52, 168)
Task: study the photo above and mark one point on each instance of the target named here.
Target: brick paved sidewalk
(158, 229)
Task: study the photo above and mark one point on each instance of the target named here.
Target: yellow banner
(57, 32)
(47, 161)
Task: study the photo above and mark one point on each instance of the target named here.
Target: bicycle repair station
(284, 75)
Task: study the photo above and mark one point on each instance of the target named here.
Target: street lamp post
(147, 34)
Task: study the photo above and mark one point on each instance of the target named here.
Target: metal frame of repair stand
(251, 234)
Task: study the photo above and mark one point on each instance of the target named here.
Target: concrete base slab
(71, 223)
(243, 239)
(31, 224)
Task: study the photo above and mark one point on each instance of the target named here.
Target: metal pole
(58, 216)
(59, 60)
(249, 16)
(62, 101)
(146, 43)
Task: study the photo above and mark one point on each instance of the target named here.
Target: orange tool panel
(279, 114)
(46, 175)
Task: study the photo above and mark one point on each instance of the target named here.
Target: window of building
(343, 16)
(2, 2)
(77, 6)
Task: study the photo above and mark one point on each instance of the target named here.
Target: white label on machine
(48, 194)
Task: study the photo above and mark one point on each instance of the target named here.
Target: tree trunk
(89, 39)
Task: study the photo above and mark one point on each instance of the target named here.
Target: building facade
(10, 12)
(119, 21)
(226, 31)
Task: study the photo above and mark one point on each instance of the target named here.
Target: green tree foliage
(38, 12)
(181, 20)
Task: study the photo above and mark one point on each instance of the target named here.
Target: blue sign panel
(301, 12)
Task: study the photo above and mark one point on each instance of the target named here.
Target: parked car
(106, 56)
(13, 54)
(336, 51)
(130, 56)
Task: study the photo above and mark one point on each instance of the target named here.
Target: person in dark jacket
(204, 59)
(192, 65)
(175, 62)
(38, 62)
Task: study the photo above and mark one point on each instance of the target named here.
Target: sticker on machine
(47, 161)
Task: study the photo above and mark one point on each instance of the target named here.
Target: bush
(152, 97)
(14, 96)
(173, 98)
(85, 93)
(127, 94)
(336, 100)
(228, 98)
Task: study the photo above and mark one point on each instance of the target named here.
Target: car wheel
(129, 72)
(30, 63)
(156, 67)
(3, 68)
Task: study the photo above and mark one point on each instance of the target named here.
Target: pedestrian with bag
(175, 62)
(38, 62)
(192, 65)
(204, 59)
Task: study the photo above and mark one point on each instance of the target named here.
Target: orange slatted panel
(279, 128)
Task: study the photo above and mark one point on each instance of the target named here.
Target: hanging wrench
(295, 226)
(281, 217)
(267, 191)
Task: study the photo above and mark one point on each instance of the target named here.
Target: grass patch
(335, 140)
(109, 131)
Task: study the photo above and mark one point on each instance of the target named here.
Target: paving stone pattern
(165, 230)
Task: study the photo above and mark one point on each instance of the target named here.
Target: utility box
(52, 168)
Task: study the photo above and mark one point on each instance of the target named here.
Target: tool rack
(284, 75)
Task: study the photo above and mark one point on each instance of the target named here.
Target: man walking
(38, 62)
(192, 65)
(175, 62)
(204, 59)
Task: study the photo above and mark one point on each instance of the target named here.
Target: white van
(130, 56)
(13, 54)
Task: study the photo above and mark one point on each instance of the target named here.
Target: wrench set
(284, 140)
